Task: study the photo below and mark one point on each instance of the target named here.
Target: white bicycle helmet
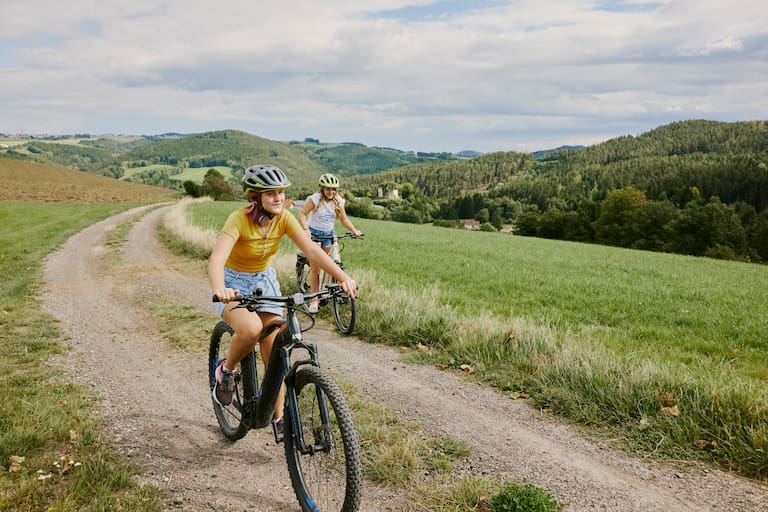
(264, 177)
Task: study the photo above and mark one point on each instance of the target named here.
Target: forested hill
(723, 159)
(228, 148)
(443, 179)
(681, 138)
(352, 158)
(674, 162)
(692, 187)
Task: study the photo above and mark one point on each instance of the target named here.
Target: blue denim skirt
(248, 283)
(324, 238)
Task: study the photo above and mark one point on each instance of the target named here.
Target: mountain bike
(321, 444)
(344, 307)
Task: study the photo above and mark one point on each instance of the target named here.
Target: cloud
(432, 76)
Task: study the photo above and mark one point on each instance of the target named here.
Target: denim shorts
(324, 238)
(248, 283)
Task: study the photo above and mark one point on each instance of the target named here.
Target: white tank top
(323, 217)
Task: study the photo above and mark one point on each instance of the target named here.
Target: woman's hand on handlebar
(349, 286)
(225, 294)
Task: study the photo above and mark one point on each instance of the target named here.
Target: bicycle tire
(231, 417)
(302, 276)
(344, 312)
(328, 478)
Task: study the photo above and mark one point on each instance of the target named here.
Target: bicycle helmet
(329, 180)
(264, 177)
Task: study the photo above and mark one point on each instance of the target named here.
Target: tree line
(692, 187)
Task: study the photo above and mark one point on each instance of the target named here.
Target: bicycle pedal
(277, 430)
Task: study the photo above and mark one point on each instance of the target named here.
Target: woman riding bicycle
(318, 217)
(240, 264)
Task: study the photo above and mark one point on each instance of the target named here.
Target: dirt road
(160, 411)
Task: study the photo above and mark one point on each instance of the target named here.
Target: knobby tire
(344, 313)
(230, 417)
(330, 479)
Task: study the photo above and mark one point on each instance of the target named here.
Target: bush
(521, 497)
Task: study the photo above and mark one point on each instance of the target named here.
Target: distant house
(389, 194)
(472, 224)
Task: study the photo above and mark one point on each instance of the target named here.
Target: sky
(416, 75)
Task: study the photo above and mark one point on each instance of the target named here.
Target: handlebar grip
(236, 298)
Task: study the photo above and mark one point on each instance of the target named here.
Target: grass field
(52, 448)
(666, 351)
(197, 174)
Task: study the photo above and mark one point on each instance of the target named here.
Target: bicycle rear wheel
(302, 273)
(328, 475)
(231, 417)
(344, 312)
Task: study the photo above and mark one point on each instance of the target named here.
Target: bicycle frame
(318, 433)
(258, 410)
(334, 254)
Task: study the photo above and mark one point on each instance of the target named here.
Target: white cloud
(421, 75)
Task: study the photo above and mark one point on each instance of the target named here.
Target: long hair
(336, 201)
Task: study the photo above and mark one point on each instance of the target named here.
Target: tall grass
(668, 351)
(51, 447)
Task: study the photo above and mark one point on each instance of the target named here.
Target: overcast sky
(450, 75)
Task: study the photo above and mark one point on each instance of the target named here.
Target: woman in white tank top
(318, 217)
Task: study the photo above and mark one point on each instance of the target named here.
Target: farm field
(30, 181)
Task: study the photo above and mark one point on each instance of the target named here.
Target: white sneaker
(313, 306)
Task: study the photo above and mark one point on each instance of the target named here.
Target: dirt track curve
(160, 411)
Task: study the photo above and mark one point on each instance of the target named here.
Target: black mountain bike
(344, 307)
(321, 445)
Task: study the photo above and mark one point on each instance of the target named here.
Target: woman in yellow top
(239, 264)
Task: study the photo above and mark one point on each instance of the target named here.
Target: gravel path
(160, 413)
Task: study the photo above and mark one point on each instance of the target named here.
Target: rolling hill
(32, 181)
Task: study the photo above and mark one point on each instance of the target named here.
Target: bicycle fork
(322, 442)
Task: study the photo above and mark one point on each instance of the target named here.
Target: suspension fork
(290, 379)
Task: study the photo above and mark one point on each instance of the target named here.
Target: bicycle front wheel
(231, 417)
(326, 472)
(344, 312)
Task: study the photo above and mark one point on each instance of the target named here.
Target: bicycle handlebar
(338, 237)
(296, 299)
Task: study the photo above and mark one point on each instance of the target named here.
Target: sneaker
(277, 429)
(225, 385)
(314, 305)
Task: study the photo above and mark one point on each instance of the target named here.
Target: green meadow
(197, 174)
(52, 444)
(667, 353)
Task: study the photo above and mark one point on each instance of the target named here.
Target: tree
(407, 214)
(653, 226)
(613, 226)
(216, 186)
(702, 228)
(192, 189)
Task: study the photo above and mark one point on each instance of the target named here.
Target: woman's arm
(318, 257)
(347, 222)
(309, 205)
(216, 262)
